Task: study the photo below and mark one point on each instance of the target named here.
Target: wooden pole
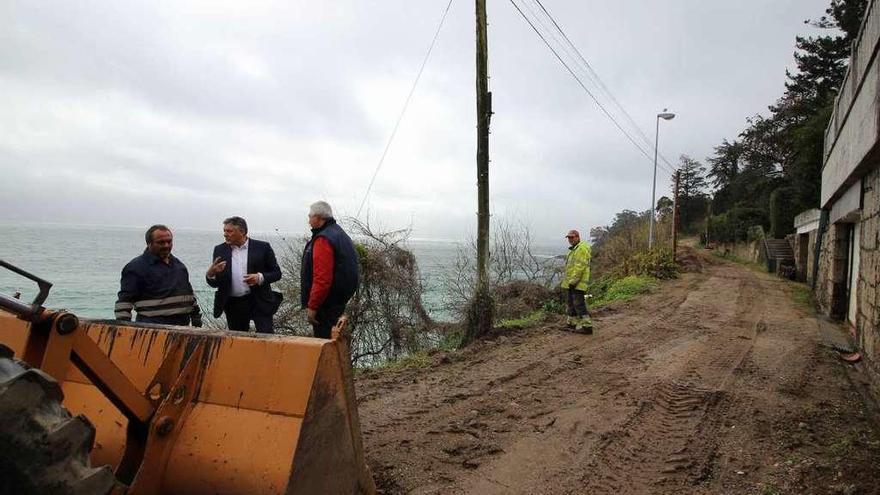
(675, 215)
(484, 113)
(480, 318)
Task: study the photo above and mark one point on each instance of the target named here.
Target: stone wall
(831, 278)
(868, 295)
(804, 269)
(748, 251)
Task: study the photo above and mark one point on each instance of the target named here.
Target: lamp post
(665, 116)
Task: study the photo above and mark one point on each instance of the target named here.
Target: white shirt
(239, 270)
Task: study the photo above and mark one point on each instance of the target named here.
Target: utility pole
(675, 216)
(480, 315)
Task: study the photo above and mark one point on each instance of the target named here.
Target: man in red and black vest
(329, 270)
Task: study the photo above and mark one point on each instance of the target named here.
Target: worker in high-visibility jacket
(577, 275)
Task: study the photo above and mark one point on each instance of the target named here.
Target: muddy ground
(717, 382)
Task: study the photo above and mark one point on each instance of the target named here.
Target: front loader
(171, 410)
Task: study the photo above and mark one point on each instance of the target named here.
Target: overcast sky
(133, 113)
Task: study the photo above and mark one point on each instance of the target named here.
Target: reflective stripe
(185, 310)
(123, 306)
(149, 303)
(123, 315)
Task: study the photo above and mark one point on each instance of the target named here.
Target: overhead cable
(405, 106)
(600, 83)
(581, 83)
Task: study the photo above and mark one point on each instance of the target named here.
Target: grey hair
(321, 209)
(237, 222)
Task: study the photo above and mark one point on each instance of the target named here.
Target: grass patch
(524, 322)
(623, 289)
(451, 341)
(841, 447)
(770, 489)
(801, 295)
(759, 267)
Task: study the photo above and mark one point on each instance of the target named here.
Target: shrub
(782, 212)
(657, 263)
(733, 225)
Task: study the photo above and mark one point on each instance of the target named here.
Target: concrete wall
(852, 133)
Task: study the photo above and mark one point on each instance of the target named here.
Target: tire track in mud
(669, 443)
(439, 431)
(476, 411)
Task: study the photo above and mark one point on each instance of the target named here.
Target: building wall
(854, 129)
(868, 295)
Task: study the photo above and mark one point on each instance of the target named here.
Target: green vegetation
(801, 295)
(758, 267)
(528, 320)
(841, 447)
(418, 359)
(772, 170)
(451, 341)
(657, 263)
(553, 306)
(770, 489)
(606, 291)
(736, 224)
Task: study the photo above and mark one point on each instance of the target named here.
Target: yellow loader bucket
(269, 414)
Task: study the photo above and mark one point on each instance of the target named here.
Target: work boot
(585, 325)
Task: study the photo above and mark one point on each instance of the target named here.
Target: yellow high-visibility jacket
(577, 267)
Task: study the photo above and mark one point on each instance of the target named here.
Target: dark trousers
(577, 304)
(327, 317)
(239, 313)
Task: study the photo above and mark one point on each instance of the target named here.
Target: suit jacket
(260, 259)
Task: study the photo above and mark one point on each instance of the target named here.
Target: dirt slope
(716, 383)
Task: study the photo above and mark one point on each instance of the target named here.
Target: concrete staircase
(779, 253)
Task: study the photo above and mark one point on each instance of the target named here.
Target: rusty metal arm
(23, 310)
(109, 379)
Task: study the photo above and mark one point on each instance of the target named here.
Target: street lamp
(665, 116)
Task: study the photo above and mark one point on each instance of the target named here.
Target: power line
(405, 105)
(598, 81)
(581, 83)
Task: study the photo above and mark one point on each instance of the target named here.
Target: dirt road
(717, 382)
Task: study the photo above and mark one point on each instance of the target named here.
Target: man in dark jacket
(156, 285)
(242, 272)
(329, 270)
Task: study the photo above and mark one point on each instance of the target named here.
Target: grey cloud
(205, 109)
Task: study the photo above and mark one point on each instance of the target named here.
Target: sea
(83, 263)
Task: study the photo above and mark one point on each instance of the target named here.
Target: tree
(726, 164)
(664, 207)
(692, 198)
(784, 149)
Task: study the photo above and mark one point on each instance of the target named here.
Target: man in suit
(242, 272)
